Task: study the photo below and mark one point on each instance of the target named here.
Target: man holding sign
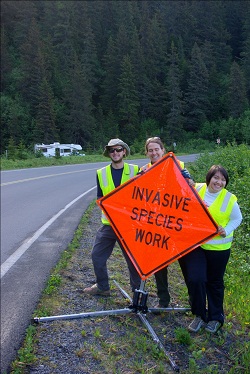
(108, 178)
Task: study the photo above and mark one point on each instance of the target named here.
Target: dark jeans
(161, 278)
(203, 271)
(103, 247)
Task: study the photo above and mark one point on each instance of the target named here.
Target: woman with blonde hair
(155, 150)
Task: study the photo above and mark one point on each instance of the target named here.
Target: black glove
(140, 172)
(185, 173)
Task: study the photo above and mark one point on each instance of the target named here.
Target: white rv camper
(49, 150)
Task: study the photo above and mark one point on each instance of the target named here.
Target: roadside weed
(83, 333)
(53, 283)
(97, 333)
(25, 354)
(182, 336)
(95, 353)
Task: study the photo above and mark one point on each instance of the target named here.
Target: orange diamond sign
(158, 217)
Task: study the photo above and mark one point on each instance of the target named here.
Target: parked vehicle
(50, 150)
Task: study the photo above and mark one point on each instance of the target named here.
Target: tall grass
(33, 162)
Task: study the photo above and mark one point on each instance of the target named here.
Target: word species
(157, 200)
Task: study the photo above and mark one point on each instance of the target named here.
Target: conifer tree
(79, 126)
(33, 66)
(110, 128)
(43, 41)
(25, 13)
(211, 27)
(45, 130)
(216, 89)
(15, 120)
(138, 62)
(128, 101)
(175, 118)
(154, 45)
(62, 37)
(237, 92)
(109, 88)
(88, 58)
(245, 128)
(196, 99)
(11, 149)
(101, 14)
(6, 65)
(21, 152)
(246, 63)
(245, 54)
(105, 128)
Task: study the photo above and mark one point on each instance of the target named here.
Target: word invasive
(156, 218)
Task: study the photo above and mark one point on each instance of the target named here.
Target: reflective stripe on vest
(220, 210)
(107, 183)
(147, 166)
(215, 241)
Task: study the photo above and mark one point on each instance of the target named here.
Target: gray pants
(103, 247)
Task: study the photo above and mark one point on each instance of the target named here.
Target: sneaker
(94, 290)
(196, 324)
(213, 326)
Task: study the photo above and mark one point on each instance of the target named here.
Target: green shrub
(195, 146)
(234, 158)
(182, 336)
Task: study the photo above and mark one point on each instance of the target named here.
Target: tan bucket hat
(114, 142)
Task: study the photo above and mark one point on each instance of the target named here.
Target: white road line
(44, 176)
(5, 267)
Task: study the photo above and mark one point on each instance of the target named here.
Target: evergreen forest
(87, 71)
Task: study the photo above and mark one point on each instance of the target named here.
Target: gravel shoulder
(121, 343)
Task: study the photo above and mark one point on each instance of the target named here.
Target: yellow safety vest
(220, 210)
(107, 184)
(147, 166)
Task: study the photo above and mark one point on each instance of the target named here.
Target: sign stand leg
(138, 306)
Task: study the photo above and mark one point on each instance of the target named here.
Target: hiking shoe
(196, 324)
(94, 290)
(213, 326)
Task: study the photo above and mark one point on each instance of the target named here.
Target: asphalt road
(40, 211)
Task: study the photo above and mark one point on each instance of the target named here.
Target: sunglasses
(112, 150)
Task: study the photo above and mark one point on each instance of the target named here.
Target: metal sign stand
(138, 306)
